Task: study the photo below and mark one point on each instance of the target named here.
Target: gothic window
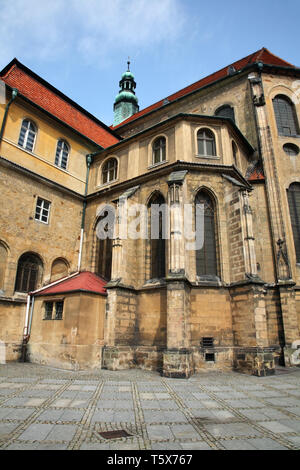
(157, 242)
(206, 142)
(109, 170)
(291, 150)
(159, 150)
(104, 247)
(3, 261)
(225, 111)
(62, 154)
(27, 135)
(28, 273)
(206, 257)
(234, 152)
(294, 205)
(285, 115)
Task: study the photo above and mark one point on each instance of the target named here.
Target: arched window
(29, 273)
(285, 115)
(206, 142)
(157, 231)
(159, 150)
(62, 154)
(294, 206)
(104, 233)
(225, 111)
(27, 135)
(234, 152)
(59, 269)
(109, 170)
(3, 261)
(206, 257)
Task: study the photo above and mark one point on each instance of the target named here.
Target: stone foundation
(254, 361)
(65, 356)
(178, 363)
(222, 358)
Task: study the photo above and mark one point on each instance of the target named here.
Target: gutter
(89, 161)
(13, 97)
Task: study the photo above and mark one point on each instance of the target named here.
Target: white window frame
(60, 155)
(44, 212)
(24, 145)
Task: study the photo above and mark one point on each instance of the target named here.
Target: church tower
(126, 103)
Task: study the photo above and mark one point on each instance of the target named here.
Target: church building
(75, 299)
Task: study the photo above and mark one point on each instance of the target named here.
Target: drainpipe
(13, 97)
(89, 160)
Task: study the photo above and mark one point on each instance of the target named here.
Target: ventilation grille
(207, 342)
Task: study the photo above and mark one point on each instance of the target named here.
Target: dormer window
(109, 170)
(159, 150)
(62, 154)
(27, 135)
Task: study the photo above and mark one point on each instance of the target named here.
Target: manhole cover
(114, 434)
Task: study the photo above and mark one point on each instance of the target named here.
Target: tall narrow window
(157, 241)
(3, 261)
(104, 251)
(27, 135)
(285, 114)
(159, 150)
(62, 154)
(206, 257)
(294, 206)
(109, 170)
(234, 153)
(28, 273)
(206, 142)
(225, 111)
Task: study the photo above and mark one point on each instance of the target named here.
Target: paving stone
(7, 428)
(61, 432)
(195, 446)
(275, 426)
(231, 430)
(19, 414)
(184, 431)
(36, 432)
(159, 432)
(266, 444)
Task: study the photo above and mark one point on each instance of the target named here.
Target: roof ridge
(247, 60)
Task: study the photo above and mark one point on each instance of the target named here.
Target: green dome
(128, 74)
(126, 96)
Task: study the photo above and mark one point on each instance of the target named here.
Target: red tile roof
(84, 281)
(262, 55)
(44, 95)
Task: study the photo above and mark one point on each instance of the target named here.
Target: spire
(126, 103)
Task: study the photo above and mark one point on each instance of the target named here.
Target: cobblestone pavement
(46, 408)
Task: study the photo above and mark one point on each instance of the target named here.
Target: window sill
(208, 157)
(106, 185)
(154, 165)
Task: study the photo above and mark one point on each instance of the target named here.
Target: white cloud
(93, 29)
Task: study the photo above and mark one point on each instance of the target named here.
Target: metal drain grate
(114, 434)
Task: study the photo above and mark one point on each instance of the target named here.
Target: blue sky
(81, 46)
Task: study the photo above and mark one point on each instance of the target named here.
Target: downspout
(89, 160)
(13, 97)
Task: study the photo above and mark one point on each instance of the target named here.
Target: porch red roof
(83, 282)
(263, 55)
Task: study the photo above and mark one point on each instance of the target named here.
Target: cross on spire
(128, 63)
